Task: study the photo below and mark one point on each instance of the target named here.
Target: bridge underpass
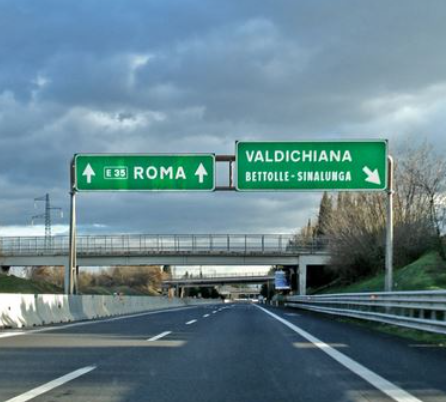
(239, 293)
(206, 280)
(138, 249)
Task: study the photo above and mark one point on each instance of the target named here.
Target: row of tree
(355, 222)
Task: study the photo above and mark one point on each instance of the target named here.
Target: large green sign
(144, 172)
(311, 165)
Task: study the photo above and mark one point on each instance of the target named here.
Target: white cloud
(405, 114)
(36, 230)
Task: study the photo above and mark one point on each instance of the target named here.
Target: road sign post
(388, 285)
(134, 172)
(312, 165)
(319, 166)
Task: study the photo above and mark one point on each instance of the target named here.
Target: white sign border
(212, 155)
(380, 140)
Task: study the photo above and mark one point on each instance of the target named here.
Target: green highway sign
(150, 172)
(312, 165)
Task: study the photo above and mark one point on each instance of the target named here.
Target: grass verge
(407, 333)
(12, 284)
(426, 273)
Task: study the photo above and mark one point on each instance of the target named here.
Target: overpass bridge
(157, 249)
(220, 280)
(236, 293)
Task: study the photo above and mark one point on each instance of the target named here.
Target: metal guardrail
(421, 310)
(143, 244)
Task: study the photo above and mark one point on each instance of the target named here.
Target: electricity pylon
(46, 216)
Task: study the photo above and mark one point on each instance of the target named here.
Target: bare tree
(357, 223)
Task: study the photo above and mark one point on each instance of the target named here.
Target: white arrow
(372, 176)
(89, 172)
(201, 172)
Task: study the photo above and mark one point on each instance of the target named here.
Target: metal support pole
(388, 285)
(72, 251)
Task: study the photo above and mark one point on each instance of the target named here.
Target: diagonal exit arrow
(89, 172)
(201, 172)
(372, 175)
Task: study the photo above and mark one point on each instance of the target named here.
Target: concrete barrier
(21, 311)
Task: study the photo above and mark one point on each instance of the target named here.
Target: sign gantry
(260, 166)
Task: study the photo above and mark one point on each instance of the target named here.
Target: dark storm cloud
(194, 76)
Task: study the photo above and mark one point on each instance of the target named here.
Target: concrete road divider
(22, 310)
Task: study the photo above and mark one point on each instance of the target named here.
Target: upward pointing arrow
(372, 176)
(89, 172)
(201, 172)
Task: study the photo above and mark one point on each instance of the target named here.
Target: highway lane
(217, 353)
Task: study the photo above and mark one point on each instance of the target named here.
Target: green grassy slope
(12, 284)
(427, 273)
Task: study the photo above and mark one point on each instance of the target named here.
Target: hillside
(426, 273)
(12, 284)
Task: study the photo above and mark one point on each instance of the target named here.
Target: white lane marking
(386, 387)
(51, 385)
(206, 315)
(159, 336)
(96, 321)
(214, 312)
(191, 322)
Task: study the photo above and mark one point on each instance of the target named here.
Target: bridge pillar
(71, 279)
(304, 262)
(66, 281)
(302, 276)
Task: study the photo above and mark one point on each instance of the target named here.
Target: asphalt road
(236, 353)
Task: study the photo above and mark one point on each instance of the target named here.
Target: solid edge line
(159, 336)
(51, 385)
(386, 387)
(94, 321)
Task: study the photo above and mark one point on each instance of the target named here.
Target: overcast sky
(195, 76)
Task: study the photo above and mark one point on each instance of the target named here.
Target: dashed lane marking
(51, 385)
(92, 322)
(191, 322)
(159, 336)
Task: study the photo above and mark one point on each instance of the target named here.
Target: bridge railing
(197, 276)
(152, 243)
(422, 310)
